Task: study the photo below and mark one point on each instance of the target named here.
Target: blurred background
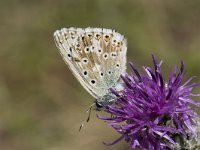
(41, 103)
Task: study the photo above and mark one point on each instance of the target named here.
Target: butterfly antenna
(89, 110)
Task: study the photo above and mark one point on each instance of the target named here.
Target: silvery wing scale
(96, 57)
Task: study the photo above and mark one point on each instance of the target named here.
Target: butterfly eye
(98, 105)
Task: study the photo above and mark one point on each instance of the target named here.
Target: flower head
(151, 113)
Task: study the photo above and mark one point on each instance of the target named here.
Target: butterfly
(96, 57)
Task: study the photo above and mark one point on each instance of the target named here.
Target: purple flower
(151, 113)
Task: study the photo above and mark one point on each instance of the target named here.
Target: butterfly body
(96, 57)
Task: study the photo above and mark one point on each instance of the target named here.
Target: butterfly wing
(95, 56)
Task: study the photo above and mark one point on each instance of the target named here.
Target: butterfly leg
(89, 110)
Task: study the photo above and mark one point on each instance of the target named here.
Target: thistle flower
(154, 114)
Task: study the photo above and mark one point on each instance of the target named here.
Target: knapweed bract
(153, 114)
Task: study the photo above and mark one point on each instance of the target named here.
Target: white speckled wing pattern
(96, 56)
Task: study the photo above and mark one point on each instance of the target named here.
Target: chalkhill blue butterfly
(96, 57)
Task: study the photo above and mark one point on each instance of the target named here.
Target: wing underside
(95, 56)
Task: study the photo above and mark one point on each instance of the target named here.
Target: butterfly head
(104, 101)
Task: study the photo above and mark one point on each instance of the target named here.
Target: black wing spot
(105, 56)
(70, 49)
(113, 55)
(98, 36)
(69, 55)
(85, 60)
(106, 37)
(85, 73)
(93, 81)
(87, 49)
(89, 35)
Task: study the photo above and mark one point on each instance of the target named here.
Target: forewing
(95, 56)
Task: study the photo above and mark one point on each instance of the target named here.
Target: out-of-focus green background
(41, 103)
